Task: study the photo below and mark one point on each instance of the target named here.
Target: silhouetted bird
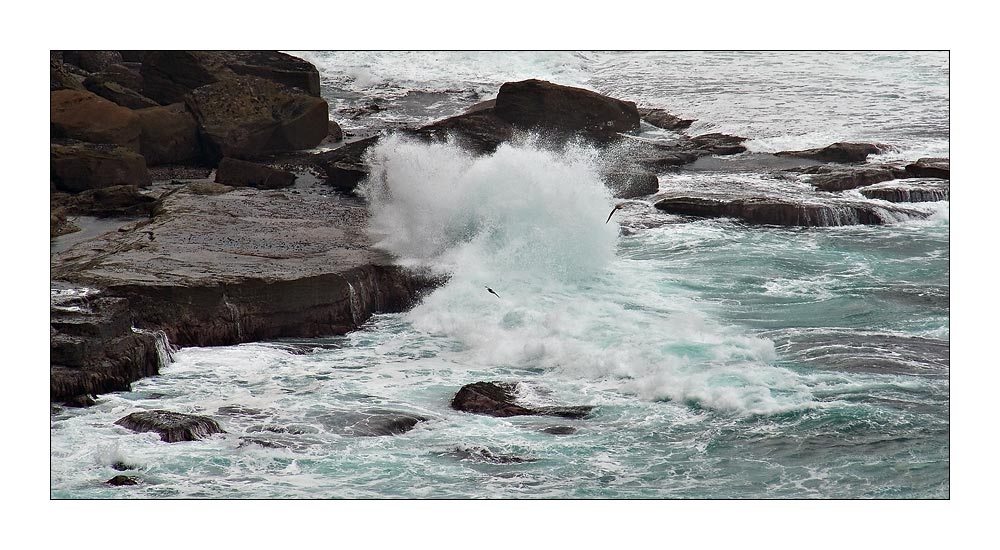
(491, 292)
(613, 210)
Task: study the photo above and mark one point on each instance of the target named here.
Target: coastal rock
(481, 131)
(497, 399)
(662, 119)
(168, 76)
(168, 135)
(207, 188)
(371, 423)
(630, 185)
(538, 104)
(560, 430)
(485, 455)
(92, 60)
(85, 116)
(247, 117)
(119, 481)
(77, 167)
(930, 168)
(62, 79)
(345, 166)
(119, 84)
(839, 152)
(171, 426)
(241, 173)
(841, 178)
(334, 132)
(717, 144)
(58, 224)
(123, 201)
(910, 190)
(777, 211)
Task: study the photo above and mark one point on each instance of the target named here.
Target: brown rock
(842, 178)
(76, 167)
(91, 60)
(61, 79)
(171, 426)
(115, 201)
(663, 119)
(87, 117)
(119, 481)
(930, 168)
(345, 166)
(247, 117)
(115, 92)
(240, 173)
(910, 190)
(547, 106)
(168, 135)
(839, 152)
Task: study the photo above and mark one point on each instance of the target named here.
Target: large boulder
(168, 76)
(247, 117)
(538, 104)
(839, 152)
(85, 116)
(116, 93)
(498, 399)
(171, 426)
(481, 131)
(92, 60)
(716, 144)
(241, 173)
(77, 167)
(168, 135)
(930, 168)
(777, 211)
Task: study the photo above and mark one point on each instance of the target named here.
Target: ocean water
(724, 360)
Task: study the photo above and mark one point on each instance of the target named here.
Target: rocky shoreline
(237, 229)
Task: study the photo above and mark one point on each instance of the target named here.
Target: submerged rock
(483, 454)
(121, 480)
(775, 211)
(839, 152)
(497, 399)
(375, 422)
(171, 426)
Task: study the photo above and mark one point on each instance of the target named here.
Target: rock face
(168, 76)
(248, 117)
(839, 152)
(775, 211)
(837, 178)
(497, 399)
(109, 86)
(77, 167)
(61, 79)
(168, 135)
(171, 426)
(910, 190)
(480, 131)
(663, 119)
(539, 104)
(87, 117)
(240, 173)
(930, 168)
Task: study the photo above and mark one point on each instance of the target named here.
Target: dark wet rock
(482, 105)
(841, 178)
(334, 132)
(121, 85)
(481, 131)
(629, 185)
(58, 224)
(243, 411)
(168, 135)
(171, 426)
(79, 401)
(176, 173)
(168, 76)
(718, 144)
(92, 60)
(930, 168)
(76, 167)
(122, 466)
(262, 442)
(375, 422)
(483, 454)
(123, 201)
(345, 166)
(87, 117)
(207, 188)
(776, 211)
(560, 430)
(364, 110)
(94, 350)
(241, 173)
(247, 117)
(60, 78)
(497, 399)
(133, 56)
(537, 104)
(119, 481)
(910, 190)
(839, 152)
(662, 119)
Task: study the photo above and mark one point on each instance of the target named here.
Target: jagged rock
(171, 426)
(629, 185)
(497, 399)
(247, 117)
(77, 167)
(842, 178)
(930, 168)
(483, 454)
(79, 401)
(662, 119)
(119, 85)
(775, 211)
(119, 481)
(58, 224)
(718, 144)
(543, 105)
(839, 152)
(240, 173)
(92, 60)
(168, 135)
(62, 79)
(87, 117)
(345, 166)
(168, 76)
(910, 190)
(114, 201)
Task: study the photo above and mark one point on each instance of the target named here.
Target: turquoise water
(724, 360)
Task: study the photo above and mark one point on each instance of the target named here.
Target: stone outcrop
(839, 152)
(92, 61)
(76, 167)
(841, 178)
(662, 119)
(777, 211)
(120, 201)
(241, 173)
(537, 104)
(910, 190)
(120, 480)
(930, 168)
(345, 166)
(62, 79)
(168, 135)
(171, 426)
(630, 185)
(87, 117)
(248, 117)
(370, 423)
(118, 85)
(498, 399)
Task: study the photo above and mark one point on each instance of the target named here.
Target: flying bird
(613, 210)
(491, 292)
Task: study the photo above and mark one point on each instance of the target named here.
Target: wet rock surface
(662, 119)
(841, 178)
(171, 426)
(241, 173)
(910, 190)
(788, 212)
(930, 168)
(540, 104)
(119, 481)
(839, 152)
(498, 399)
(78, 166)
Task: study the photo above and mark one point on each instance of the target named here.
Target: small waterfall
(357, 308)
(164, 351)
